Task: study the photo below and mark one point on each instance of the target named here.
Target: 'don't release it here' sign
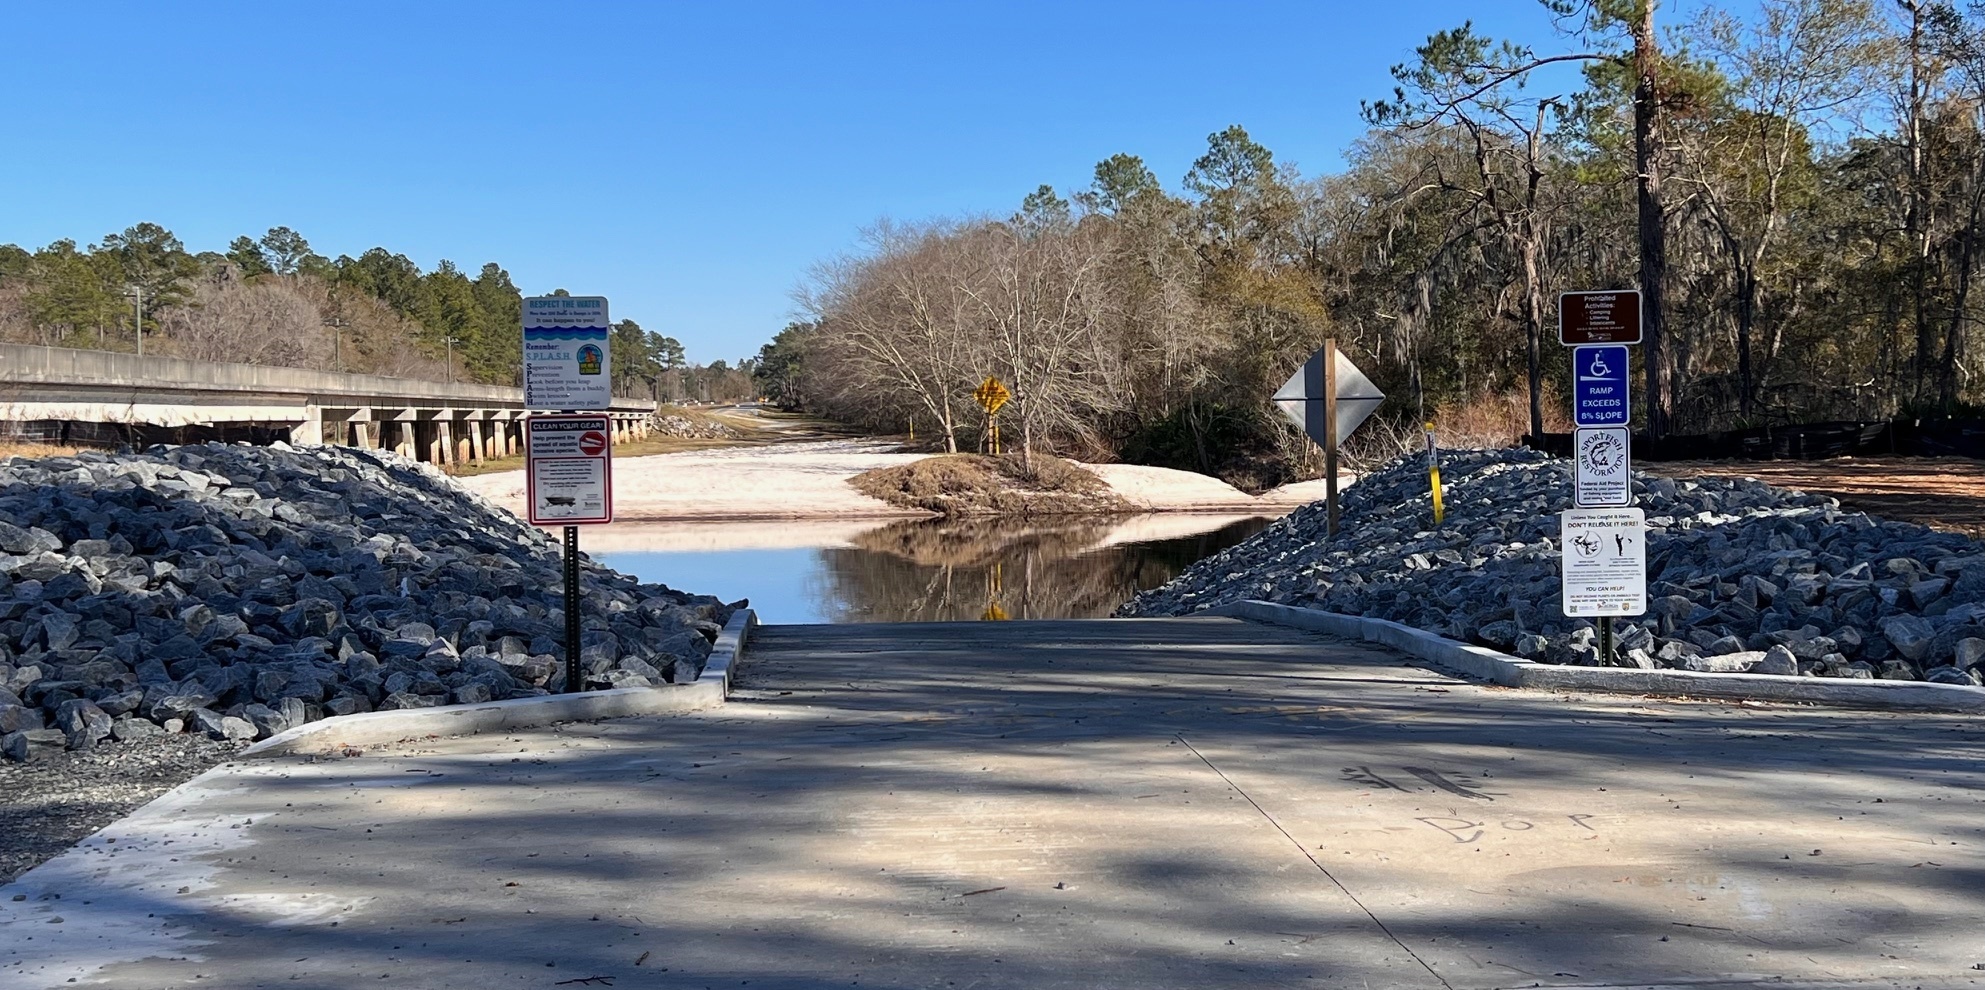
(567, 354)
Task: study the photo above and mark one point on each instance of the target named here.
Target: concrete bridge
(62, 393)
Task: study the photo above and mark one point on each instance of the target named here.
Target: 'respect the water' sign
(566, 353)
(1599, 386)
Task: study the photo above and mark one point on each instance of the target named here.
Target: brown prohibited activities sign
(1599, 317)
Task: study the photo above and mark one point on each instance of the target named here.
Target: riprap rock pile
(239, 591)
(1742, 577)
(693, 429)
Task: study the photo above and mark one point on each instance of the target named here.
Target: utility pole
(451, 342)
(1652, 218)
(337, 325)
(138, 303)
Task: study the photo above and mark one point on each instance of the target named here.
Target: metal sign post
(1602, 541)
(1329, 363)
(574, 680)
(1329, 398)
(568, 458)
(568, 478)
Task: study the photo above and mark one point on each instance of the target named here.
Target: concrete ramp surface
(1134, 804)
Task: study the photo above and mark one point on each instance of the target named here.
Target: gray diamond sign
(1301, 399)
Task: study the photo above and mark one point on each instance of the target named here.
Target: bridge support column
(441, 450)
(476, 448)
(311, 430)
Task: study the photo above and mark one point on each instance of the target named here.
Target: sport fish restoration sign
(567, 353)
(1602, 474)
(568, 469)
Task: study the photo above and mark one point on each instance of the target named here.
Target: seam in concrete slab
(1482, 663)
(379, 728)
(1325, 870)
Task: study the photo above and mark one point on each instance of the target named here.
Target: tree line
(273, 300)
(1796, 190)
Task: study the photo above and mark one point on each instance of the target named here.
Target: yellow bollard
(1434, 474)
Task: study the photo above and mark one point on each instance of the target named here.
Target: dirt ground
(26, 448)
(758, 426)
(1946, 493)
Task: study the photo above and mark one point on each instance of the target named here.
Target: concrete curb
(380, 728)
(1482, 663)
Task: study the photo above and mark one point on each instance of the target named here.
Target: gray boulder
(82, 723)
(1777, 660)
(1910, 635)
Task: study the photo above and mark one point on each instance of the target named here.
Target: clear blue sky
(689, 161)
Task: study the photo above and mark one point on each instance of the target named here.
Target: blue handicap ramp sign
(1599, 386)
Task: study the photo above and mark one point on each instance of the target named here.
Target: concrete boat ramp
(1151, 803)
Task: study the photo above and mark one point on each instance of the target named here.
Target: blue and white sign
(567, 353)
(1599, 386)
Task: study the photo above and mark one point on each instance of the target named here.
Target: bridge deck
(1161, 803)
(58, 393)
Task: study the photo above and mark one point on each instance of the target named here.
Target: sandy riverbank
(809, 481)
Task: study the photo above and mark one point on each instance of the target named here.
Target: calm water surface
(920, 570)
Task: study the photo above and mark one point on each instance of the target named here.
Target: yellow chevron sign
(991, 395)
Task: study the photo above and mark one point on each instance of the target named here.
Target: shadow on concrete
(1135, 803)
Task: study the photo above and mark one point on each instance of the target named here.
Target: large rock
(1778, 660)
(1910, 635)
(83, 723)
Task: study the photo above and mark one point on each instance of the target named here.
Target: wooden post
(1330, 427)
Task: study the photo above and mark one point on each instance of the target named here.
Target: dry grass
(1492, 420)
(1489, 420)
(23, 448)
(981, 485)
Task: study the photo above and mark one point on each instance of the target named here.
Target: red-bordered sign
(568, 470)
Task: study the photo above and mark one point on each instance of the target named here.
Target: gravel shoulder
(58, 800)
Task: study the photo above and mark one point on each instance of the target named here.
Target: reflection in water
(923, 570)
(941, 570)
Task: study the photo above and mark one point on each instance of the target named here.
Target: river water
(926, 570)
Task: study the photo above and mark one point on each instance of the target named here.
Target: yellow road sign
(991, 395)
